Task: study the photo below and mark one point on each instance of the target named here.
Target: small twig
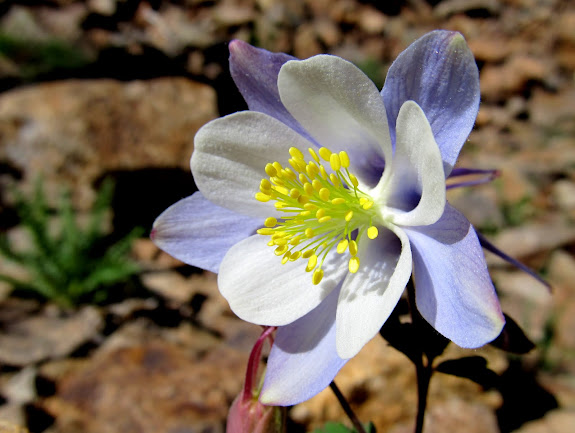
(347, 408)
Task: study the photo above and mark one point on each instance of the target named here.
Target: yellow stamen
(348, 216)
(280, 251)
(338, 200)
(270, 222)
(307, 254)
(324, 194)
(353, 248)
(353, 180)
(313, 154)
(372, 232)
(342, 246)
(311, 263)
(334, 162)
(354, 264)
(270, 170)
(260, 196)
(344, 159)
(317, 276)
(296, 153)
(324, 153)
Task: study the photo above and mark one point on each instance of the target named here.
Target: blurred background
(100, 332)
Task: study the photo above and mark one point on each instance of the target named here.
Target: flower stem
(347, 408)
(423, 363)
(423, 372)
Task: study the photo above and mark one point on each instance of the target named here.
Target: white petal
(261, 290)
(415, 192)
(230, 155)
(341, 108)
(369, 296)
(303, 360)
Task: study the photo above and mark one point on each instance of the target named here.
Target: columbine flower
(316, 206)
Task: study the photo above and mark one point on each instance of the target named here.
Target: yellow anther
(309, 233)
(296, 153)
(270, 222)
(271, 244)
(307, 254)
(277, 166)
(317, 276)
(324, 194)
(295, 256)
(280, 251)
(265, 231)
(296, 240)
(311, 169)
(323, 172)
(270, 170)
(276, 180)
(286, 258)
(320, 213)
(265, 184)
(288, 173)
(354, 264)
(308, 188)
(309, 206)
(324, 153)
(324, 219)
(367, 205)
(362, 200)
(317, 185)
(279, 204)
(281, 189)
(342, 246)
(313, 154)
(260, 196)
(335, 180)
(372, 232)
(280, 241)
(353, 248)
(334, 162)
(305, 213)
(302, 199)
(311, 263)
(344, 159)
(348, 216)
(353, 180)
(294, 193)
(294, 163)
(338, 200)
(302, 177)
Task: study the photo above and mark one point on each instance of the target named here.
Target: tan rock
(499, 82)
(153, 387)
(72, 132)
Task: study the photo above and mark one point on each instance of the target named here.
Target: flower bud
(247, 414)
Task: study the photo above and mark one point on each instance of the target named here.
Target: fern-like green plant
(75, 263)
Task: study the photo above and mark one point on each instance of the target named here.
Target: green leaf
(337, 427)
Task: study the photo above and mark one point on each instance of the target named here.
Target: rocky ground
(118, 88)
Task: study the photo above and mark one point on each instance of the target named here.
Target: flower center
(321, 210)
